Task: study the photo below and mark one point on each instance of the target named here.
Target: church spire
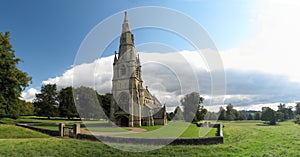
(126, 48)
(125, 26)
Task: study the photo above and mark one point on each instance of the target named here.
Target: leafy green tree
(26, 108)
(191, 103)
(211, 116)
(201, 113)
(257, 116)
(170, 116)
(222, 113)
(46, 102)
(287, 112)
(12, 80)
(297, 119)
(105, 101)
(240, 115)
(87, 103)
(297, 112)
(230, 112)
(291, 112)
(269, 115)
(67, 106)
(250, 117)
(178, 114)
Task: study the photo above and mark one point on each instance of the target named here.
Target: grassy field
(243, 138)
(11, 131)
(174, 129)
(36, 119)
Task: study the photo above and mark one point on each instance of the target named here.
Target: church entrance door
(124, 121)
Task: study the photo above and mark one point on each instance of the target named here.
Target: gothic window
(124, 102)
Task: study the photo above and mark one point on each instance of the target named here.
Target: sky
(257, 42)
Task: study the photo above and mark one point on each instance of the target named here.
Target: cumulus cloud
(169, 76)
(261, 72)
(29, 95)
(275, 48)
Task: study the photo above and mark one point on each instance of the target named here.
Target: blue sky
(47, 34)
(257, 40)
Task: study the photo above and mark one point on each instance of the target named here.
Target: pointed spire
(126, 27)
(138, 60)
(125, 18)
(115, 59)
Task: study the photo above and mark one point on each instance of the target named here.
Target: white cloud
(169, 76)
(29, 95)
(275, 48)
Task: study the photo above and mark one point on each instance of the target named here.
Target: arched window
(124, 102)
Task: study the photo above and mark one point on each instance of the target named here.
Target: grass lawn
(36, 119)
(174, 129)
(242, 138)
(12, 131)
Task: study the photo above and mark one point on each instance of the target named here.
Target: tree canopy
(12, 80)
(87, 103)
(66, 101)
(46, 103)
(178, 114)
(269, 115)
(191, 105)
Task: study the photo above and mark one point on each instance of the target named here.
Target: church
(132, 104)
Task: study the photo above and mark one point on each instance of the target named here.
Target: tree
(105, 101)
(12, 80)
(222, 113)
(201, 112)
(297, 112)
(257, 116)
(178, 114)
(291, 112)
(87, 103)
(211, 116)
(230, 112)
(250, 117)
(26, 108)
(190, 104)
(46, 103)
(287, 112)
(67, 106)
(170, 116)
(297, 119)
(240, 115)
(269, 115)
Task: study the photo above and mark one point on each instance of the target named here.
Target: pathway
(132, 131)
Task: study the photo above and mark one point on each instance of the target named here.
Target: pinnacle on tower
(125, 26)
(115, 59)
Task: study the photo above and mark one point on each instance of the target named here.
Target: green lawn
(243, 138)
(108, 129)
(36, 119)
(174, 129)
(12, 131)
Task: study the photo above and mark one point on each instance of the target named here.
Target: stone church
(132, 104)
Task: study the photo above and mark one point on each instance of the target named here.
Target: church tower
(132, 104)
(125, 108)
